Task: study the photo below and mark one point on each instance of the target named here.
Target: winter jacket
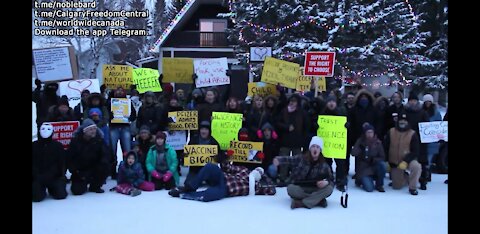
(44, 100)
(105, 118)
(236, 179)
(388, 116)
(48, 160)
(88, 155)
(130, 174)
(359, 115)
(367, 158)
(54, 115)
(205, 111)
(306, 170)
(151, 115)
(301, 123)
(401, 146)
(172, 161)
(381, 117)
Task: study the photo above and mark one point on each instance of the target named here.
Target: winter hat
(86, 91)
(331, 98)
(366, 127)
(131, 152)
(316, 141)
(296, 97)
(428, 98)
(167, 88)
(267, 125)
(149, 94)
(413, 96)
(95, 111)
(87, 123)
(204, 124)
(162, 135)
(197, 91)
(402, 116)
(144, 128)
(63, 101)
(243, 134)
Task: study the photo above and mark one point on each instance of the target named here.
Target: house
(197, 32)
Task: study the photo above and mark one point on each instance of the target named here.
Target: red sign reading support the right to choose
(319, 63)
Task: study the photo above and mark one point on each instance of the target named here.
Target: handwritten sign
(334, 134)
(177, 70)
(319, 63)
(304, 82)
(176, 139)
(199, 155)
(433, 131)
(63, 131)
(146, 79)
(276, 71)
(54, 64)
(115, 76)
(121, 109)
(183, 120)
(246, 151)
(211, 72)
(260, 53)
(225, 127)
(261, 89)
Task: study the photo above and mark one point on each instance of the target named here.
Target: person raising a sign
(204, 137)
(312, 178)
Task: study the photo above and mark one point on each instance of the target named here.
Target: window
(212, 32)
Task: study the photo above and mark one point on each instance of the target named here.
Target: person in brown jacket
(371, 160)
(402, 145)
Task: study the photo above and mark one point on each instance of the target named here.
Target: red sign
(319, 63)
(63, 131)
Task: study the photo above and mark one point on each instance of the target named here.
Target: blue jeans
(272, 171)
(367, 181)
(213, 176)
(121, 133)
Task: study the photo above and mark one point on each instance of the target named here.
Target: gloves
(38, 83)
(403, 165)
(156, 175)
(260, 155)
(274, 135)
(194, 77)
(230, 152)
(259, 134)
(347, 125)
(167, 176)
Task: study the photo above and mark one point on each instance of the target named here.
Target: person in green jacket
(162, 164)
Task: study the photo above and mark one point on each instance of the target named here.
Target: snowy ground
(395, 211)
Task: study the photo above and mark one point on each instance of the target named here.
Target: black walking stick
(344, 202)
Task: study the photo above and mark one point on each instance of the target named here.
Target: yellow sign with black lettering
(199, 155)
(183, 120)
(247, 151)
(276, 71)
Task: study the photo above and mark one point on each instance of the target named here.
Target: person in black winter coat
(44, 99)
(48, 166)
(271, 146)
(88, 159)
(61, 111)
(82, 106)
(151, 114)
(210, 105)
(145, 141)
(397, 107)
(381, 105)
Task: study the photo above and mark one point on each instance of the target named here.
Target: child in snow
(131, 178)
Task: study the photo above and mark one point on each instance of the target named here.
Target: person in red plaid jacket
(225, 180)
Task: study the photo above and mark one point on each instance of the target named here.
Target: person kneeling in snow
(162, 163)
(311, 176)
(130, 178)
(225, 180)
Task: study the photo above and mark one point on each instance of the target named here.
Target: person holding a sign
(312, 178)
(48, 166)
(162, 164)
(204, 137)
(44, 99)
(88, 159)
(434, 115)
(371, 163)
(402, 146)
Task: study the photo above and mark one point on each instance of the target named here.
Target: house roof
(181, 18)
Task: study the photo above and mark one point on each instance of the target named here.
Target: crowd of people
(382, 136)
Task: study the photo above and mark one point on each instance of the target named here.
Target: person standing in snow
(312, 178)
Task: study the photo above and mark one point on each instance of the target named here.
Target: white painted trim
(196, 49)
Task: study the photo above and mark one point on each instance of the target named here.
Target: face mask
(363, 103)
(402, 125)
(46, 130)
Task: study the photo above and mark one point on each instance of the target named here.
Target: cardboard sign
(121, 109)
(146, 79)
(319, 63)
(177, 70)
(115, 76)
(199, 155)
(54, 64)
(63, 132)
(261, 89)
(183, 120)
(211, 72)
(260, 53)
(176, 139)
(334, 134)
(246, 151)
(225, 127)
(73, 88)
(276, 71)
(304, 82)
(433, 131)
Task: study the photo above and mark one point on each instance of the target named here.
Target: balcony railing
(197, 39)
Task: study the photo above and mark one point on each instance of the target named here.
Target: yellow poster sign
(120, 108)
(261, 89)
(276, 71)
(183, 120)
(199, 155)
(246, 151)
(225, 127)
(146, 79)
(334, 134)
(115, 76)
(178, 70)
(304, 82)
